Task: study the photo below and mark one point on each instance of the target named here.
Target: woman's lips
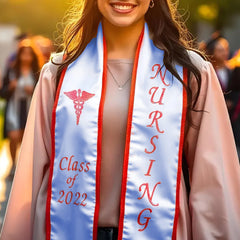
(121, 7)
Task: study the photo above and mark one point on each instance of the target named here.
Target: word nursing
(156, 98)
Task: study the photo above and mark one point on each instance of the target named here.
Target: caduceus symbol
(79, 98)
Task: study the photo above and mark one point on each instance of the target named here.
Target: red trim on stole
(49, 193)
(99, 141)
(128, 136)
(184, 111)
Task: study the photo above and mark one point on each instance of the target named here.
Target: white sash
(152, 163)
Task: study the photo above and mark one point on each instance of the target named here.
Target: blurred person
(11, 60)
(234, 64)
(45, 46)
(218, 51)
(10, 63)
(112, 122)
(229, 77)
(18, 88)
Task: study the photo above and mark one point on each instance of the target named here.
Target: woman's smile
(123, 7)
(123, 13)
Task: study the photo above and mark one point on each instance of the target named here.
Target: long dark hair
(34, 65)
(168, 33)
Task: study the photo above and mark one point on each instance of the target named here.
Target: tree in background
(217, 12)
(42, 16)
(34, 17)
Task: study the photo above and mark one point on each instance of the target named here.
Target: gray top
(113, 141)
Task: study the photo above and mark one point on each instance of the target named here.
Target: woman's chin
(122, 23)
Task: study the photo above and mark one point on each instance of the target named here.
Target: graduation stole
(149, 206)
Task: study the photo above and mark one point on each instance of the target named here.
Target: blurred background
(41, 21)
(41, 17)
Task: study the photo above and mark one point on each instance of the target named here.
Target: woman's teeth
(123, 7)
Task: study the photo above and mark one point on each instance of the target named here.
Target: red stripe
(128, 136)
(49, 193)
(99, 141)
(184, 111)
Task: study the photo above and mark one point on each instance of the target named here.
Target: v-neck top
(113, 139)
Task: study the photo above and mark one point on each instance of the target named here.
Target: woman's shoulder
(49, 70)
(209, 81)
(198, 60)
(47, 79)
(208, 74)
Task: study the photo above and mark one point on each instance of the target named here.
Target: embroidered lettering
(68, 198)
(146, 190)
(153, 144)
(87, 167)
(147, 219)
(153, 92)
(150, 168)
(82, 203)
(79, 98)
(159, 71)
(71, 181)
(67, 164)
(61, 162)
(155, 116)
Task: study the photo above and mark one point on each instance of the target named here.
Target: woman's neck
(122, 41)
(25, 69)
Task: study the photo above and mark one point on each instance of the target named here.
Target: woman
(18, 89)
(112, 169)
(234, 64)
(218, 50)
